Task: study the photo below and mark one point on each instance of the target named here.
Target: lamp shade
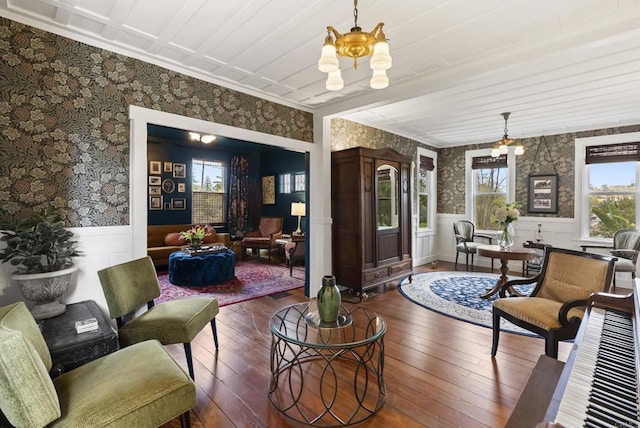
(381, 60)
(379, 79)
(298, 208)
(334, 81)
(328, 61)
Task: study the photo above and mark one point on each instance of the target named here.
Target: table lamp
(298, 208)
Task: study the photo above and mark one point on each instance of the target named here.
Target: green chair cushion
(27, 395)
(175, 321)
(139, 386)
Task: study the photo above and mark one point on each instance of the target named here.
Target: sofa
(164, 239)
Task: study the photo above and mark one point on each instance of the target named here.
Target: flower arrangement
(507, 213)
(194, 235)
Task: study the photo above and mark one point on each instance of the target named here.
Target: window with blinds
(613, 193)
(489, 187)
(426, 167)
(208, 196)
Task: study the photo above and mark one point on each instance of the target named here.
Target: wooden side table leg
(504, 268)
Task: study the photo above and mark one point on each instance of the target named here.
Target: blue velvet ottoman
(201, 269)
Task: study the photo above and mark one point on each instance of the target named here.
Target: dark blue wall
(279, 162)
(261, 163)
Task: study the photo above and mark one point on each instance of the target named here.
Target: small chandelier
(500, 148)
(356, 44)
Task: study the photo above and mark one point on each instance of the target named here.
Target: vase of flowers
(506, 214)
(194, 236)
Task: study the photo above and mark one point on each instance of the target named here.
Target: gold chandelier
(356, 44)
(501, 147)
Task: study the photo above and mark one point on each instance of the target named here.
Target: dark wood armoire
(370, 206)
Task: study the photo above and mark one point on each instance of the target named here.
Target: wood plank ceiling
(558, 66)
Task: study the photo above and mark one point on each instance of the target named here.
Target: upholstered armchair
(465, 234)
(139, 386)
(132, 285)
(269, 229)
(626, 246)
(294, 251)
(555, 307)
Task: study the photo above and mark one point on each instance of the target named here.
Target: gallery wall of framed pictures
(167, 185)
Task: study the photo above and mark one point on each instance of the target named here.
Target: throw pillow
(174, 238)
(211, 238)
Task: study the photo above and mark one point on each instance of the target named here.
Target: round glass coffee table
(327, 375)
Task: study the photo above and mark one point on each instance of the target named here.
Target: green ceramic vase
(329, 300)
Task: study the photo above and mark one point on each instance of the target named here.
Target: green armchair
(133, 387)
(131, 285)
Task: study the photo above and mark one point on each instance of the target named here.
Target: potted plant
(194, 236)
(42, 249)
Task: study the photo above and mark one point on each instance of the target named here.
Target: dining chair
(625, 246)
(464, 232)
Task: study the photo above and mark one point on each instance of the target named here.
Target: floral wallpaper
(451, 184)
(346, 134)
(64, 127)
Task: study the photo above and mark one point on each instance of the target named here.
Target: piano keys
(598, 386)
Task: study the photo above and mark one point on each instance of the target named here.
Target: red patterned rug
(254, 278)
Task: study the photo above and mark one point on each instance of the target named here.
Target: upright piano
(598, 385)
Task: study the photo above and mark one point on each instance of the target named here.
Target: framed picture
(168, 186)
(155, 180)
(155, 190)
(178, 203)
(269, 190)
(181, 188)
(155, 202)
(154, 167)
(543, 193)
(168, 166)
(179, 170)
(298, 182)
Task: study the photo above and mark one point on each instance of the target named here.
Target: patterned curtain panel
(238, 194)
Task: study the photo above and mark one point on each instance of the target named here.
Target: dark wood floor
(438, 371)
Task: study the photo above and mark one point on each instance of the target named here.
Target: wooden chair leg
(214, 330)
(457, 254)
(185, 421)
(187, 353)
(496, 333)
(551, 346)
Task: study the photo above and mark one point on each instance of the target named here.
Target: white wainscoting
(555, 231)
(100, 246)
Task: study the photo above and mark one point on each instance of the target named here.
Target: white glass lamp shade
(503, 149)
(328, 61)
(495, 152)
(379, 79)
(381, 60)
(334, 81)
(194, 136)
(519, 149)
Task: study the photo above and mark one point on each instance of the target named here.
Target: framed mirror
(387, 197)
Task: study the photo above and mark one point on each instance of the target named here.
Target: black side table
(69, 349)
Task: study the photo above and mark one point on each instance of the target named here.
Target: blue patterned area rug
(457, 295)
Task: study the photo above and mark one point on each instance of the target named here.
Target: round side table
(327, 375)
(495, 252)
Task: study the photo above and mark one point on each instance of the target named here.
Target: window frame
(581, 198)
(225, 188)
(469, 183)
(432, 178)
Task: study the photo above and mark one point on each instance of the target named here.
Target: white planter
(45, 289)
